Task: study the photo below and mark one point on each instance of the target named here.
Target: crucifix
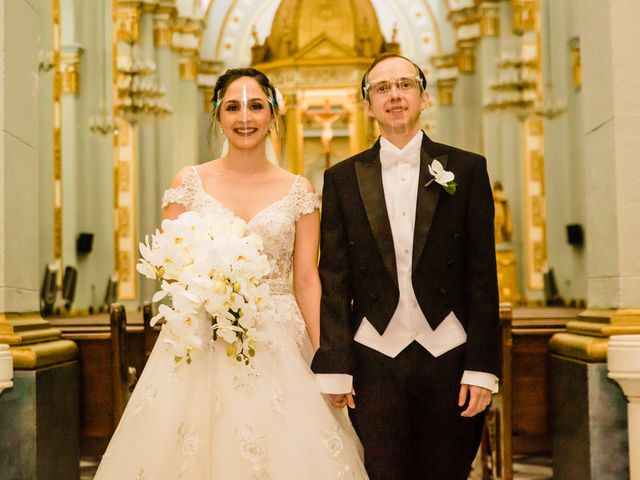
(326, 118)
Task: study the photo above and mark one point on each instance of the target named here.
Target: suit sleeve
(483, 332)
(336, 337)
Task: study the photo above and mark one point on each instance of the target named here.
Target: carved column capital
(163, 17)
(208, 73)
(466, 55)
(489, 13)
(128, 14)
(69, 65)
(525, 16)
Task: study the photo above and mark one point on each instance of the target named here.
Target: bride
(218, 418)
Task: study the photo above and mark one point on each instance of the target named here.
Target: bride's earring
(220, 131)
(271, 127)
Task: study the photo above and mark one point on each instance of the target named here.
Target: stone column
(167, 75)
(187, 35)
(609, 44)
(468, 95)
(624, 367)
(357, 126)
(488, 51)
(446, 80)
(71, 118)
(294, 157)
(45, 367)
(149, 190)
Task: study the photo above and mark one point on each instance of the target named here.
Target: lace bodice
(276, 223)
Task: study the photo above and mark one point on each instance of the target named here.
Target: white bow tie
(389, 158)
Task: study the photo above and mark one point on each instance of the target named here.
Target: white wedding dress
(219, 419)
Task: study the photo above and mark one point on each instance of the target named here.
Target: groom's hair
(364, 84)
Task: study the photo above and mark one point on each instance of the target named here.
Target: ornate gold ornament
(489, 19)
(525, 15)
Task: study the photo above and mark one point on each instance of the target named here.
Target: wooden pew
(519, 420)
(112, 347)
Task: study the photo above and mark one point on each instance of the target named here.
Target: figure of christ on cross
(326, 118)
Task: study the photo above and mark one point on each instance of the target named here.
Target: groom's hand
(479, 399)
(342, 399)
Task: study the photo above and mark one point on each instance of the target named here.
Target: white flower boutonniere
(443, 177)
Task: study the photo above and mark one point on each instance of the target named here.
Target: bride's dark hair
(233, 74)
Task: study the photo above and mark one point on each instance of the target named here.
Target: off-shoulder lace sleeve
(304, 201)
(183, 193)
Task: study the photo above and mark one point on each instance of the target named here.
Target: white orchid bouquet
(208, 264)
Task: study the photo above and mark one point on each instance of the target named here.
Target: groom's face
(395, 98)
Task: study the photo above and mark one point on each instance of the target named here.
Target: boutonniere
(443, 177)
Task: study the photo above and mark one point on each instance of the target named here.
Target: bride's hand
(342, 399)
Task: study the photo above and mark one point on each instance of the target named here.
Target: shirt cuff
(335, 383)
(480, 379)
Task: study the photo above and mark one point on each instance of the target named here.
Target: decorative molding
(207, 76)
(189, 62)
(466, 56)
(163, 17)
(534, 203)
(447, 75)
(587, 338)
(187, 34)
(489, 19)
(462, 16)
(525, 15)
(56, 41)
(70, 64)
(445, 91)
(127, 22)
(576, 62)
(125, 210)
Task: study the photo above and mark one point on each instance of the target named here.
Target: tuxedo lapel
(369, 175)
(426, 202)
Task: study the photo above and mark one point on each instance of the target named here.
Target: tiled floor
(524, 468)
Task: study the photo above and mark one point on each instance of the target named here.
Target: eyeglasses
(403, 84)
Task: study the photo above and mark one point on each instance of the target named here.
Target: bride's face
(245, 113)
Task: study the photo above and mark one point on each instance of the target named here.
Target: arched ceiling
(422, 26)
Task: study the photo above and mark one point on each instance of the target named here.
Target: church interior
(102, 101)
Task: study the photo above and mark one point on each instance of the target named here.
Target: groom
(409, 310)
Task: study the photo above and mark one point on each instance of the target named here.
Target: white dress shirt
(400, 175)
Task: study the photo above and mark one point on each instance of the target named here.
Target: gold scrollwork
(124, 221)
(538, 214)
(124, 176)
(124, 266)
(57, 232)
(70, 83)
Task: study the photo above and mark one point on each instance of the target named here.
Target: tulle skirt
(220, 419)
